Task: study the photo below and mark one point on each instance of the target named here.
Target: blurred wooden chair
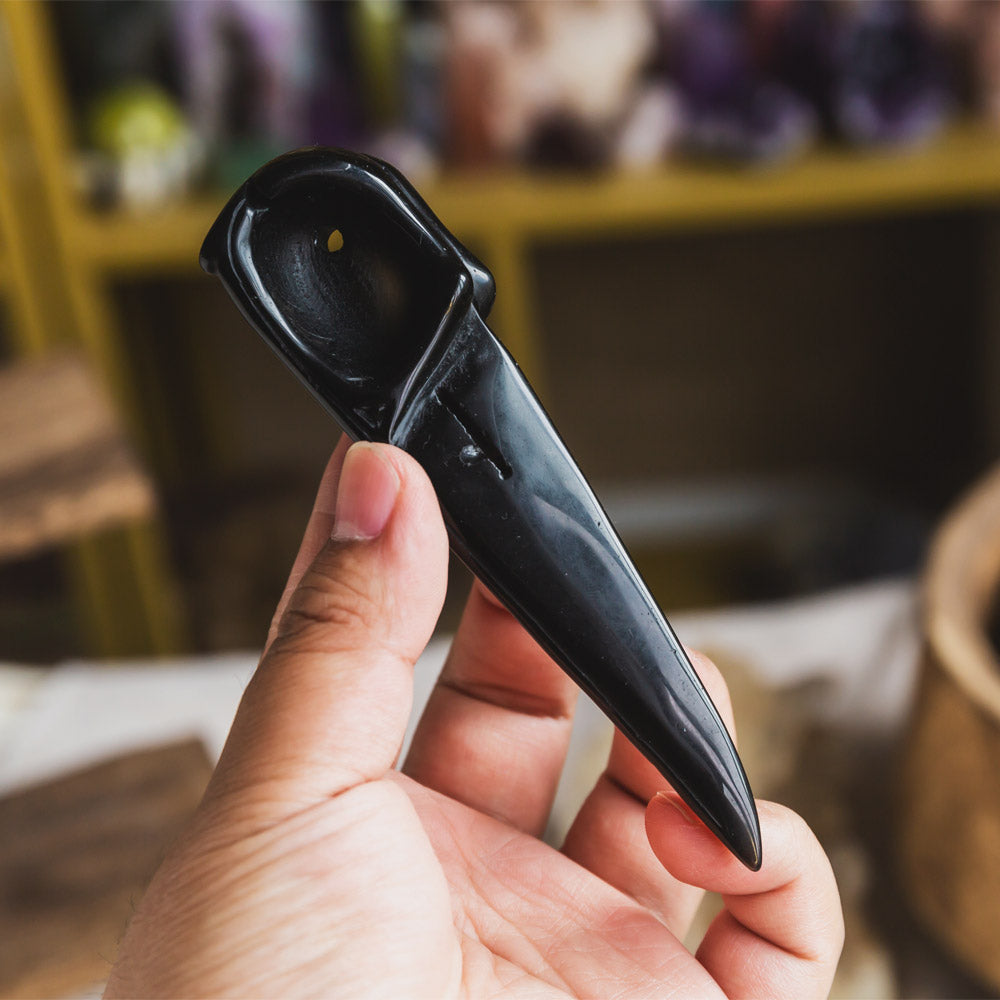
(66, 469)
(68, 477)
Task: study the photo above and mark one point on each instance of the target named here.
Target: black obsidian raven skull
(344, 270)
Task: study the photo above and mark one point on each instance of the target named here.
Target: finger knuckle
(326, 603)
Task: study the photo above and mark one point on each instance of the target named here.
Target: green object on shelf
(136, 116)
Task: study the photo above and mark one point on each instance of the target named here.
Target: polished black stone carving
(343, 269)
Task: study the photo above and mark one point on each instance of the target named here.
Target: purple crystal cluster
(548, 83)
(762, 81)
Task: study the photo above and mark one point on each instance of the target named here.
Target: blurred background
(748, 254)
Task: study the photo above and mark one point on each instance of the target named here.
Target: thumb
(328, 705)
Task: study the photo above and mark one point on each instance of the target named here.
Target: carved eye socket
(360, 296)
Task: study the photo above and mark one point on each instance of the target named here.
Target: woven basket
(950, 808)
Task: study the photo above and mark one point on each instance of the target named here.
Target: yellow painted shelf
(961, 169)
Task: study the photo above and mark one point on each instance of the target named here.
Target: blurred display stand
(71, 252)
(502, 211)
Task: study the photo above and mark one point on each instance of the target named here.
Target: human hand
(312, 867)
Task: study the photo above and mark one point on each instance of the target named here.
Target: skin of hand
(314, 867)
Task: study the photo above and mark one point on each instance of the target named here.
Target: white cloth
(861, 642)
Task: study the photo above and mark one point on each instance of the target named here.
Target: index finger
(782, 929)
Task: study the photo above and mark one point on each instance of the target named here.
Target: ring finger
(609, 835)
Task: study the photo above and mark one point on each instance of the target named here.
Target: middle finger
(496, 728)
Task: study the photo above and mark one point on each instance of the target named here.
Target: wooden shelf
(168, 239)
(961, 169)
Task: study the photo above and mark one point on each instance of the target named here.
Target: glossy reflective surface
(344, 270)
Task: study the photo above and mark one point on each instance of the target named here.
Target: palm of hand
(528, 921)
(435, 898)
